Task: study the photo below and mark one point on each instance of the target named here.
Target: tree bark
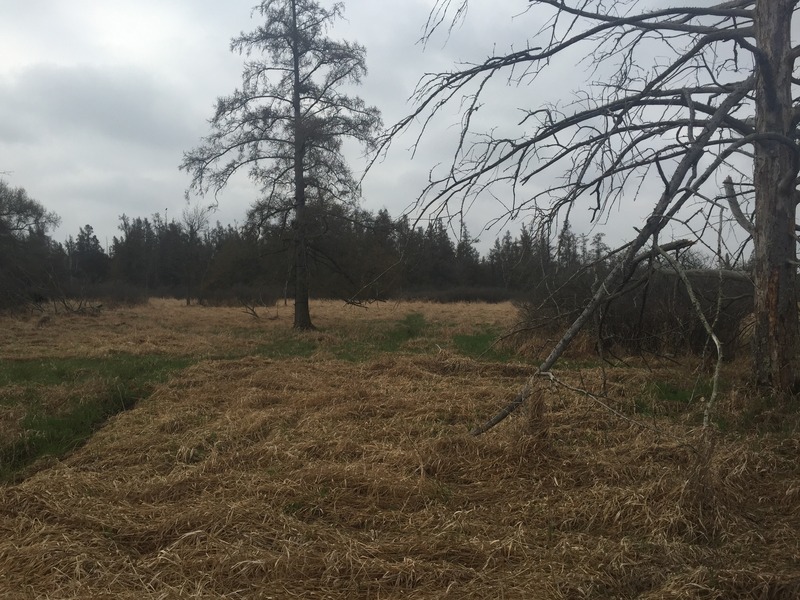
(302, 315)
(775, 170)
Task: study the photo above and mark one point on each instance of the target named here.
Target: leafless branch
(710, 330)
(736, 209)
(604, 290)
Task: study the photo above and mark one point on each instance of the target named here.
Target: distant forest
(354, 255)
(358, 256)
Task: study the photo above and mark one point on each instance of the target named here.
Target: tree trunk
(302, 315)
(775, 170)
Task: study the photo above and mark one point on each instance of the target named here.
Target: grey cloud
(123, 104)
(106, 132)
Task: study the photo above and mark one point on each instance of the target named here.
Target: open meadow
(165, 451)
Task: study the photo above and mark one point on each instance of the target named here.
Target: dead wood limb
(671, 200)
(736, 209)
(722, 274)
(619, 274)
(710, 330)
(250, 309)
(509, 408)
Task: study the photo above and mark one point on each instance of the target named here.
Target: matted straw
(318, 478)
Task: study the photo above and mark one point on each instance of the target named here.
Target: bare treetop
(676, 99)
(658, 78)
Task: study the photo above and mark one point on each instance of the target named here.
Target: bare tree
(20, 214)
(286, 125)
(670, 105)
(28, 256)
(195, 222)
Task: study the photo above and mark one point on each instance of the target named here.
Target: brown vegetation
(168, 327)
(253, 477)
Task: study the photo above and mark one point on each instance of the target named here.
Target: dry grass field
(255, 462)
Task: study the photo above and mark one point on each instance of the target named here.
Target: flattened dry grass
(282, 465)
(49, 407)
(323, 478)
(63, 375)
(168, 327)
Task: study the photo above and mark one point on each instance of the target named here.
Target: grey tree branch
(724, 92)
(717, 343)
(603, 291)
(736, 209)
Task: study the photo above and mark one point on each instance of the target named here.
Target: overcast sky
(99, 99)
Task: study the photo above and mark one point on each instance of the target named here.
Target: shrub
(653, 314)
(112, 294)
(241, 294)
(491, 295)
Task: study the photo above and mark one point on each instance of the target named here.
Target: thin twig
(598, 399)
(696, 304)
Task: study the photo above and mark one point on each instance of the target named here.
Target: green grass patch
(481, 345)
(56, 371)
(679, 393)
(414, 334)
(765, 414)
(672, 398)
(381, 337)
(355, 350)
(410, 327)
(387, 337)
(48, 430)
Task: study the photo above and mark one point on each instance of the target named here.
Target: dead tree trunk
(775, 171)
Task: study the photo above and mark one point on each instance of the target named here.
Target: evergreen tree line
(360, 256)
(354, 254)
